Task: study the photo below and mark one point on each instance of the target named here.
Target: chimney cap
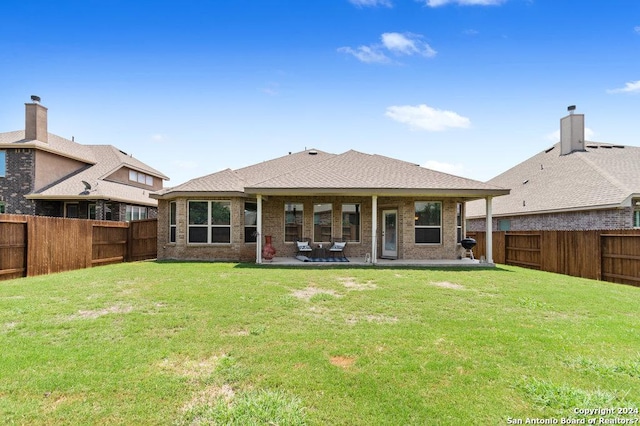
(571, 108)
(35, 99)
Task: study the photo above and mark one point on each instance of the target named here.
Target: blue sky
(191, 87)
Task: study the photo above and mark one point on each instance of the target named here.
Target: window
(351, 222)
(172, 222)
(293, 214)
(135, 213)
(3, 208)
(140, 178)
(322, 215)
(92, 211)
(3, 163)
(209, 222)
(504, 225)
(71, 210)
(250, 221)
(428, 222)
(459, 221)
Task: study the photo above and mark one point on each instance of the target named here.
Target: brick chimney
(571, 132)
(36, 121)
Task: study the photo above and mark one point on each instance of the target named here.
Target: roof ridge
(610, 178)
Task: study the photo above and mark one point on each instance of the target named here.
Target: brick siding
(273, 225)
(621, 218)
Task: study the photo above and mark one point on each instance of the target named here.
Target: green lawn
(204, 343)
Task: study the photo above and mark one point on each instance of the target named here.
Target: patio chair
(304, 247)
(337, 248)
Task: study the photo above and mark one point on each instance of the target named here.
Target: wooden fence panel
(38, 245)
(620, 258)
(13, 249)
(109, 243)
(143, 240)
(57, 244)
(523, 249)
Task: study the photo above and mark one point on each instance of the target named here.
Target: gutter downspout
(489, 231)
(259, 230)
(374, 229)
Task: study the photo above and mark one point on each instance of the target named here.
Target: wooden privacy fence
(37, 245)
(609, 255)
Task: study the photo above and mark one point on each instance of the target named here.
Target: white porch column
(259, 230)
(374, 229)
(489, 232)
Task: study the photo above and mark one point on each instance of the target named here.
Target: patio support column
(374, 229)
(489, 232)
(259, 230)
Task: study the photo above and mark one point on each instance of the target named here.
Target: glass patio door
(390, 233)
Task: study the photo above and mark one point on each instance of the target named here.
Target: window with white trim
(135, 213)
(351, 222)
(428, 222)
(293, 214)
(322, 222)
(459, 221)
(135, 176)
(250, 221)
(209, 222)
(173, 222)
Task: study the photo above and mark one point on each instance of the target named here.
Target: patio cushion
(303, 246)
(337, 246)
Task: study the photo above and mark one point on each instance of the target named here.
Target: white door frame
(390, 251)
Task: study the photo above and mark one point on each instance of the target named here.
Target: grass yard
(204, 343)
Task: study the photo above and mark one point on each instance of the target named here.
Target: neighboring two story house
(573, 185)
(47, 175)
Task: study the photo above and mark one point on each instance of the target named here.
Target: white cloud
(636, 29)
(158, 137)
(631, 87)
(423, 117)
(436, 3)
(271, 89)
(400, 44)
(407, 44)
(367, 54)
(454, 169)
(371, 3)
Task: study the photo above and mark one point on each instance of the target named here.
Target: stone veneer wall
(18, 182)
(621, 218)
(273, 224)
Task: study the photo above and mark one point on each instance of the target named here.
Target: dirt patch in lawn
(351, 284)
(342, 361)
(377, 318)
(209, 396)
(191, 368)
(309, 292)
(447, 284)
(101, 312)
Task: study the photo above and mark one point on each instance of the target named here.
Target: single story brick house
(573, 185)
(382, 207)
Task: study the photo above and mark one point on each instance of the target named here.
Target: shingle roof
(318, 172)
(101, 160)
(601, 176)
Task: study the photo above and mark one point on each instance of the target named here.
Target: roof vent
(313, 152)
(546, 151)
